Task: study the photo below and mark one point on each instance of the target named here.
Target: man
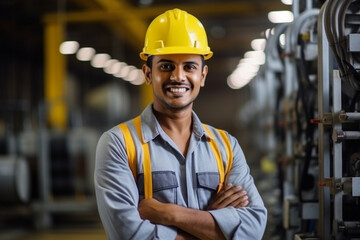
(178, 158)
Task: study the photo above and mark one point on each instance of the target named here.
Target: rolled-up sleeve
(117, 195)
(247, 222)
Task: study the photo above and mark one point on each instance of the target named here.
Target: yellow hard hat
(176, 32)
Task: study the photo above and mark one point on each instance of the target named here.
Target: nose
(178, 75)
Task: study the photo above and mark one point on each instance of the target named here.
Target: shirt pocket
(207, 184)
(164, 186)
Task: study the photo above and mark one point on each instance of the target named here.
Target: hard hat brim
(176, 50)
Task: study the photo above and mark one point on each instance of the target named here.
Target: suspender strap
(228, 149)
(130, 148)
(217, 155)
(131, 153)
(146, 160)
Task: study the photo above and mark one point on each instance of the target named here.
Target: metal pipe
(14, 179)
(340, 135)
(324, 76)
(349, 116)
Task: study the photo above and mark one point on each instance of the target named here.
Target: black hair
(150, 59)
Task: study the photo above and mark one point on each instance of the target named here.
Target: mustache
(177, 84)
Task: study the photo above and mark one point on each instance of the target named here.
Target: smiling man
(165, 174)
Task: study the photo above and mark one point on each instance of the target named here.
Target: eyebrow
(170, 61)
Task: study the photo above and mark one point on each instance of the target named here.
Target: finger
(228, 192)
(231, 199)
(226, 188)
(220, 195)
(227, 196)
(234, 199)
(241, 202)
(242, 193)
(218, 201)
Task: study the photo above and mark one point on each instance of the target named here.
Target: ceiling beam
(216, 9)
(130, 23)
(211, 10)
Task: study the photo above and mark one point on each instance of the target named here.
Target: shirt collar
(150, 126)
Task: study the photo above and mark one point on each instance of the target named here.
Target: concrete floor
(64, 227)
(55, 234)
(83, 234)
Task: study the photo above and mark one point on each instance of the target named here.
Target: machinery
(43, 172)
(312, 84)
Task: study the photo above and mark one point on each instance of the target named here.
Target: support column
(55, 76)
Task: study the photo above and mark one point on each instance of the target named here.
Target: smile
(178, 90)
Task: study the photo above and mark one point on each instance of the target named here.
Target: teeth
(178, 90)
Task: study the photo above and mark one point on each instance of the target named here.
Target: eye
(190, 67)
(167, 67)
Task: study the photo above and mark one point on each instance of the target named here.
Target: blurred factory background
(284, 80)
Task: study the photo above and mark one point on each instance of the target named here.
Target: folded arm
(197, 223)
(117, 195)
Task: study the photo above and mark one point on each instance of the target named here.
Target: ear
(203, 75)
(147, 73)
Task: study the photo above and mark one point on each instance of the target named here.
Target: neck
(177, 125)
(178, 121)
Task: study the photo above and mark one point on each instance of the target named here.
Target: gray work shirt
(190, 181)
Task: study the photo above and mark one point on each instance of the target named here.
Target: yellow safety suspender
(131, 153)
(217, 154)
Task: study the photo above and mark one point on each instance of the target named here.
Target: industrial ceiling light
(126, 72)
(133, 74)
(287, 2)
(280, 16)
(239, 79)
(99, 60)
(140, 79)
(69, 47)
(259, 56)
(109, 66)
(85, 54)
(258, 44)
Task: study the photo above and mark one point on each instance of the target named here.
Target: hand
(230, 195)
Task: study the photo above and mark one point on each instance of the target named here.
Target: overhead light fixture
(116, 68)
(103, 60)
(69, 47)
(134, 75)
(126, 72)
(239, 79)
(140, 79)
(248, 67)
(85, 54)
(258, 56)
(280, 16)
(99, 60)
(109, 66)
(287, 2)
(246, 70)
(258, 44)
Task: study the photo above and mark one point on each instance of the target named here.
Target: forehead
(177, 58)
